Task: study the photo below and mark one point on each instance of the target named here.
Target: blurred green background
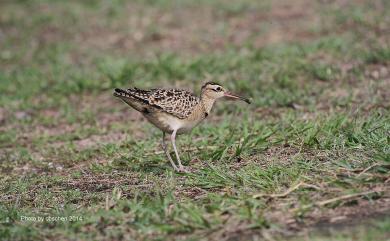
(317, 72)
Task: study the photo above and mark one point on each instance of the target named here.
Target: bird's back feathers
(179, 103)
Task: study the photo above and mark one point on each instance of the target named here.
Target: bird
(175, 111)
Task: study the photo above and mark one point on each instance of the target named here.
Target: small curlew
(175, 111)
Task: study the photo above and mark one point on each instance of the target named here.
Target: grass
(311, 152)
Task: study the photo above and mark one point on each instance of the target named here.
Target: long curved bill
(230, 95)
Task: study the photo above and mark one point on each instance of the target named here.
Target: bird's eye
(218, 89)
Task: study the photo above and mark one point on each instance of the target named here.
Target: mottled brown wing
(179, 103)
(140, 94)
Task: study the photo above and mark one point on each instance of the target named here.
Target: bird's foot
(183, 169)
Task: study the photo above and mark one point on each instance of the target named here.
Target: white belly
(169, 123)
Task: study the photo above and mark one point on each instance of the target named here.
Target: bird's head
(215, 91)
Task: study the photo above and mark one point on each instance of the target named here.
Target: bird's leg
(167, 153)
(173, 140)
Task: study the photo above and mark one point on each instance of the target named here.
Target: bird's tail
(121, 93)
(134, 97)
(133, 93)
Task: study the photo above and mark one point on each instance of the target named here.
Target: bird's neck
(207, 103)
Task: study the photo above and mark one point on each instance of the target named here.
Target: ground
(308, 159)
